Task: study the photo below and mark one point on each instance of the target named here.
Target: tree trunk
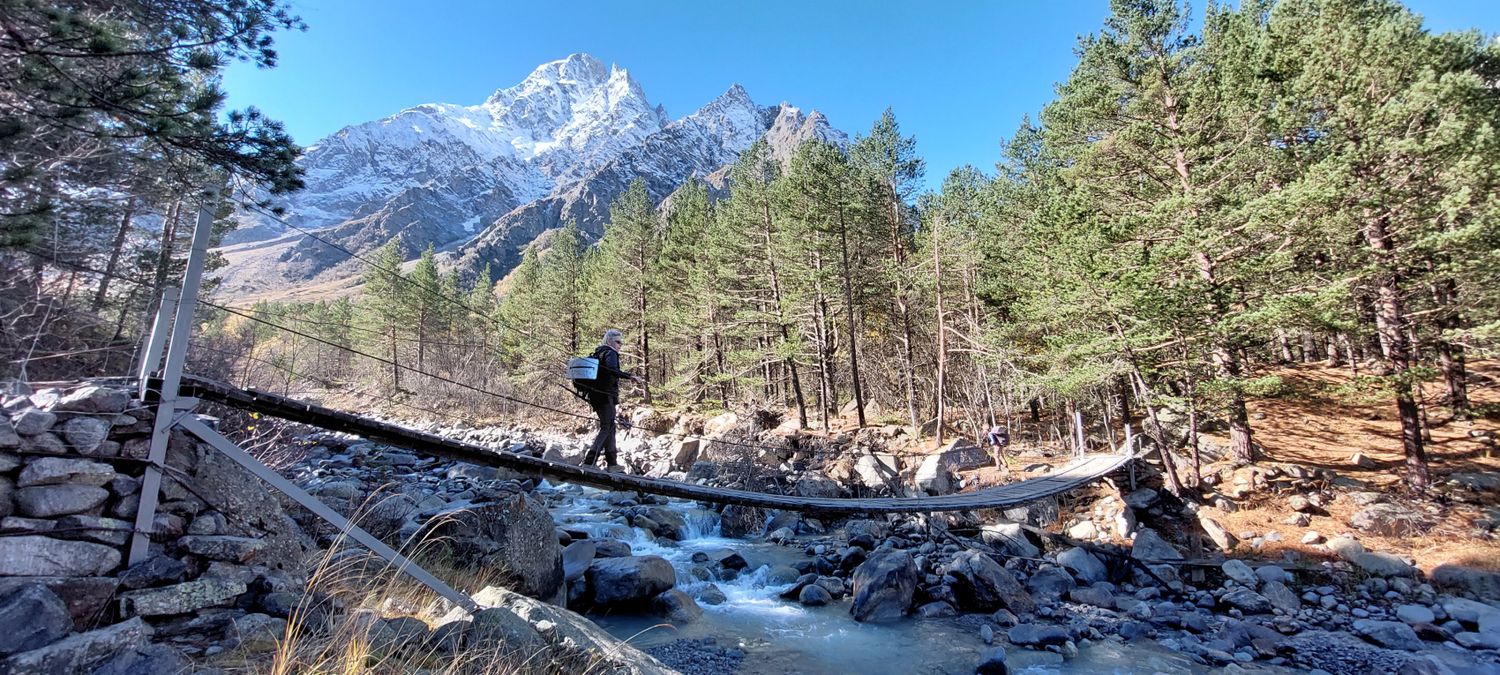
(942, 345)
(1390, 321)
(859, 396)
(115, 249)
(1450, 354)
(781, 322)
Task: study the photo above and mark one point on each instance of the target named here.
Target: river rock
(1470, 612)
(1388, 634)
(32, 617)
(50, 501)
(883, 586)
(1281, 597)
(816, 485)
(59, 470)
(516, 536)
(629, 579)
(1049, 583)
(571, 634)
(1382, 564)
(1482, 583)
(611, 548)
(677, 606)
(982, 584)
(1247, 601)
(81, 653)
(1038, 635)
(814, 595)
(181, 598)
(1093, 595)
(1010, 538)
(577, 558)
(992, 662)
(1414, 614)
(1239, 571)
(35, 556)
(1083, 565)
(1149, 545)
(740, 522)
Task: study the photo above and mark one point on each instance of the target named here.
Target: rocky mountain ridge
(481, 182)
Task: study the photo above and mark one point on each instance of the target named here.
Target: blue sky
(959, 75)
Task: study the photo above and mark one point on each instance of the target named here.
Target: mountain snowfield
(481, 182)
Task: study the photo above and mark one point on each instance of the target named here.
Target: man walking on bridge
(603, 395)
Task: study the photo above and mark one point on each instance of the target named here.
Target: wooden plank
(1069, 478)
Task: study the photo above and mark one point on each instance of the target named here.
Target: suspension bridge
(162, 381)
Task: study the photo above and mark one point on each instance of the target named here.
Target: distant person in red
(603, 395)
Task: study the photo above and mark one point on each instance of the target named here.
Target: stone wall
(224, 561)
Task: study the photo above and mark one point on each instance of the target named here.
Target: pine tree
(384, 312)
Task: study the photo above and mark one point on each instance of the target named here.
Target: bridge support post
(172, 329)
(171, 377)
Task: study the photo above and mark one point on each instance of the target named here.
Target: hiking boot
(615, 468)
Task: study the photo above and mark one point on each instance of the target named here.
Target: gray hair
(611, 334)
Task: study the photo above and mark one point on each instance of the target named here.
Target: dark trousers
(604, 408)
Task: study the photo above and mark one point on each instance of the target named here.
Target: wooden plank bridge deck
(1075, 475)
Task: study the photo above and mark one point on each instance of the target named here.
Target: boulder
(883, 586)
(933, 477)
(1247, 601)
(1281, 597)
(1217, 533)
(1149, 545)
(872, 473)
(684, 453)
(257, 632)
(37, 556)
(1010, 538)
(1038, 635)
(1382, 564)
(1388, 634)
(814, 595)
(1414, 614)
(816, 485)
(51, 501)
(571, 635)
(677, 606)
(982, 584)
(1038, 513)
(1142, 499)
(720, 424)
(610, 548)
(1239, 571)
(8, 436)
(81, 653)
(515, 536)
(627, 580)
(1096, 596)
(32, 617)
(1083, 564)
(577, 558)
(156, 570)
(182, 598)
(740, 522)
(1049, 584)
(1482, 583)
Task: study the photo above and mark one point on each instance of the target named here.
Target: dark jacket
(608, 380)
